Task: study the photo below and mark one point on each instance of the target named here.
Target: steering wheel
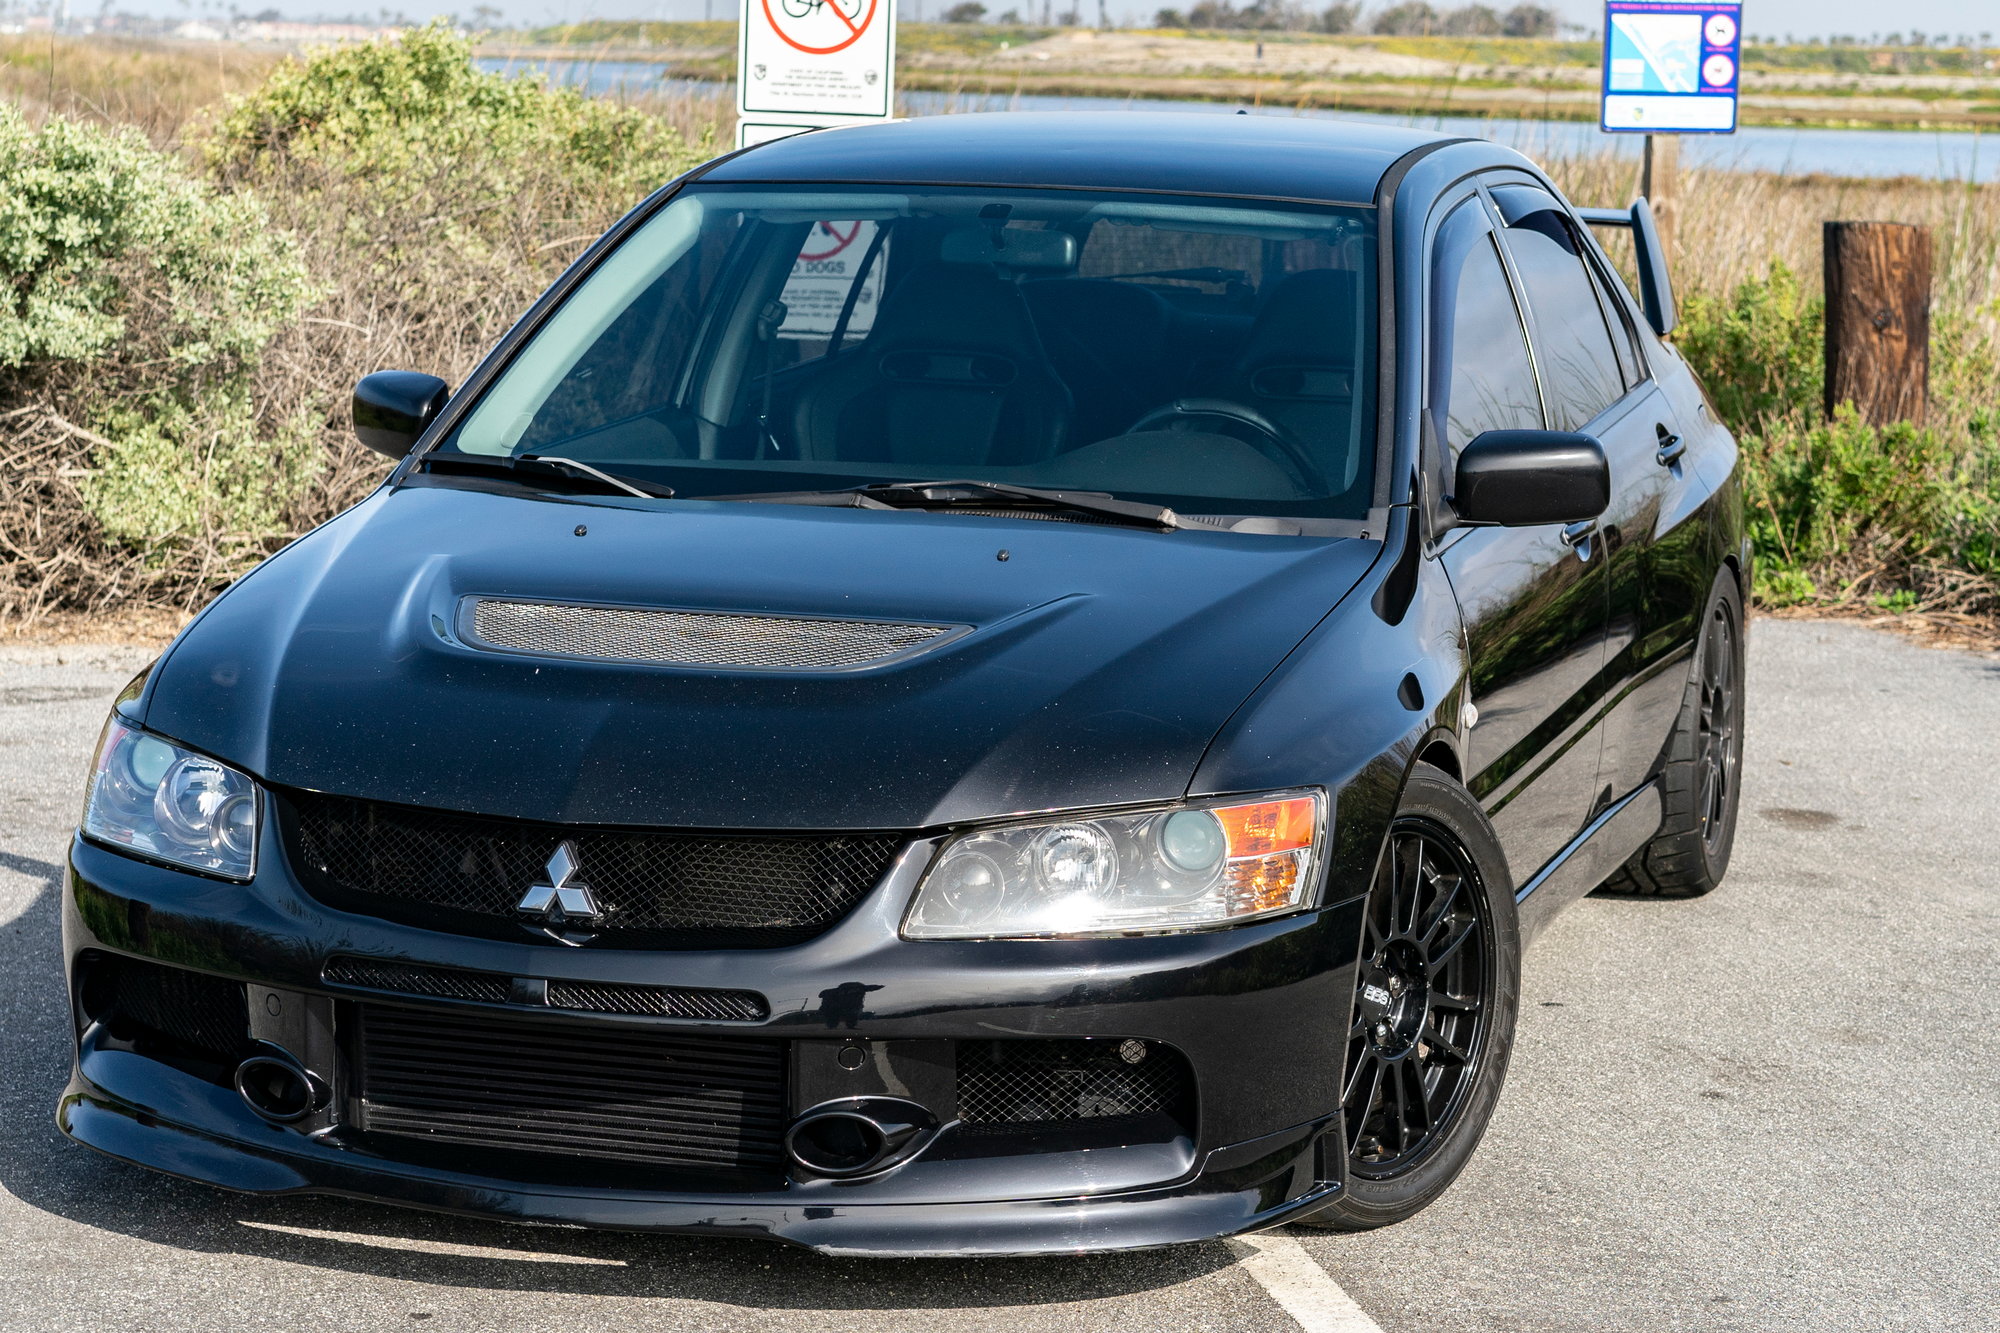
(1272, 439)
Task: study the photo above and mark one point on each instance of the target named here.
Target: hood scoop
(660, 636)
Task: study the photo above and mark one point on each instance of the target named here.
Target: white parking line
(1314, 1300)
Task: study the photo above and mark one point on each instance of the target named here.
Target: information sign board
(1671, 66)
(801, 64)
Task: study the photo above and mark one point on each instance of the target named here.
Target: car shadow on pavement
(45, 1171)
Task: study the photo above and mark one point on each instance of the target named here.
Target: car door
(1533, 600)
(1596, 379)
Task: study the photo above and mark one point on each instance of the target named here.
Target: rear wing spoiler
(1656, 288)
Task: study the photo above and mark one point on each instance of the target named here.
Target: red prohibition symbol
(827, 240)
(854, 16)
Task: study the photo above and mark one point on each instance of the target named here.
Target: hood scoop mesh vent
(694, 638)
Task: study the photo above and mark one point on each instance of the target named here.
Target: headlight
(151, 797)
(1200, 864)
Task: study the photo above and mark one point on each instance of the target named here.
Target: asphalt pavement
(1772, 1108)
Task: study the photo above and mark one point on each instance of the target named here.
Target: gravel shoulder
(1768, 1109)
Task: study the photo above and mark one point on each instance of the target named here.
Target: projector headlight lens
(153, 798)
(1178, 867)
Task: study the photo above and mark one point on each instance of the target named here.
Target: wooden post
(1660, 182)
(1878, 319)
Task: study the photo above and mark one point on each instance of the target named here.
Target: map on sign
(1671, 66)
(804, 63)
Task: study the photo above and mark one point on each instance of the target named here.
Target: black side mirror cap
(1522, 478)
(392, 408)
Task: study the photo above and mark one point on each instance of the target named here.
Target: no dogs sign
(808, 63)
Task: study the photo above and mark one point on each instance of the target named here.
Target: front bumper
(1259, 1012)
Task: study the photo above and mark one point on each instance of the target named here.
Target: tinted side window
(1573, 346)
(1481, 378)
(1616, 315)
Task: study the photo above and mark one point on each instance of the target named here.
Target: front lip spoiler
(1221, 1202)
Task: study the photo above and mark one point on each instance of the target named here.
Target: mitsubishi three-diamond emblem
(560, 901)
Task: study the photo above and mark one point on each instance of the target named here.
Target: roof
(1269, 156)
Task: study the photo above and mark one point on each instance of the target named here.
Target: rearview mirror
(392, 407)
(1521, 478)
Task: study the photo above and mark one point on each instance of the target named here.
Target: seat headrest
(1307, 320)
(958, 307)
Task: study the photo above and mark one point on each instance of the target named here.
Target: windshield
(1212, 356)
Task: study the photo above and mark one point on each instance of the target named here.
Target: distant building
(291, 33)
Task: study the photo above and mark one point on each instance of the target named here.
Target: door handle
(1671, 448)
(1578, 535)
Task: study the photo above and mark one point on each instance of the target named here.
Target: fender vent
(694, 638)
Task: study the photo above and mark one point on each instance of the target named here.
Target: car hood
(1100, 664)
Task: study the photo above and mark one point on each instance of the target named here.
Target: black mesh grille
(466, 873)
(734, 1006)
(451, 983)
(1030, 1083)
(478, 1081)
(201, 1014)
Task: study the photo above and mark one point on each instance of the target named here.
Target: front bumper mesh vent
(1014, 1084)
(594, 997)
(445, 983)
(201, 1015)
(466, 874)
(721, 1006)
(472, 1081)
(694, 638)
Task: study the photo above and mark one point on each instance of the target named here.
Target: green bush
(113, 257)
(136, 305)
(1839, 506)
(411, 129)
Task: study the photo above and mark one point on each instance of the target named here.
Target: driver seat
(1298, 367)
(952, 373)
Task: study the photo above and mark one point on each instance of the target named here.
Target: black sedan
(994, 684)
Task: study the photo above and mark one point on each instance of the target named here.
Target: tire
(1436, 996)
(1701, 778)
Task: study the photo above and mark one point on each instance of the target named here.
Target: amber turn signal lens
(1269, 826)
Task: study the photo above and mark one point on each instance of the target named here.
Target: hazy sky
(1773, 17)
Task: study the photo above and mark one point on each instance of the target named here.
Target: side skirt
(1605, 844)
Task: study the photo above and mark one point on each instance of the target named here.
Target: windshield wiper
(645, 490)
(972, 495)
(545, 468)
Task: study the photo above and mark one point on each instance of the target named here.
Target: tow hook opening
(860, 1136)
(278, 1088)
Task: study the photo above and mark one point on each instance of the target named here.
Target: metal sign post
(805, 64)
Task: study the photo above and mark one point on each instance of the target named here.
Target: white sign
(802, 64)
(823, 278)
(1671, 66)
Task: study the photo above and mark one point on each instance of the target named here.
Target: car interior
(1201, 350)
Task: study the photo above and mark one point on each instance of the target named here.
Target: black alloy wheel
(1437, 988)
(1420, 1002)
(1721, 735)
(1701, 769)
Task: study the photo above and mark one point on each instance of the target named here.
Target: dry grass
(431, 308)
(159, 87)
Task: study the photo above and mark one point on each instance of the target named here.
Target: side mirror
(392, 407)
(1521, 478)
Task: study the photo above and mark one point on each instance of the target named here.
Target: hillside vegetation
(191, 291)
